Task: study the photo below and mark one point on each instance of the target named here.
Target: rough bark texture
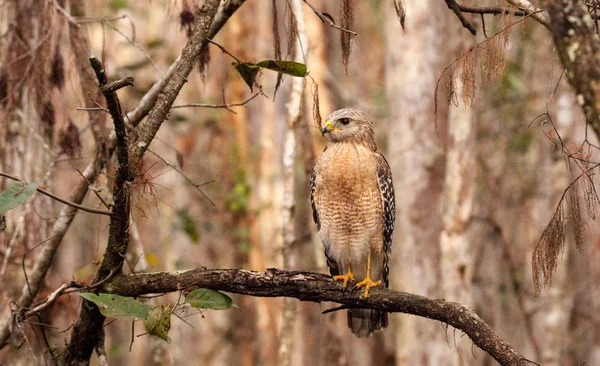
(309, 286)
(88, 331)
(189, 57)
(578, 46)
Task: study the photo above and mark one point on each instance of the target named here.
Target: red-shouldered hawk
(353, 203)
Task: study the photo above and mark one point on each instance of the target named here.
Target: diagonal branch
(316, 287)
(60, 199)
(189, 57)
(457, 11)
(44, 260)
(536, 13)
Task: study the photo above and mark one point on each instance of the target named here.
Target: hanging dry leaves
(400, 11)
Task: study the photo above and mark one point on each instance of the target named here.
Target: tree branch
(60, 199)
(87, 332)
(189, 57)
(316, 287)
(489, 10)
(44, 261)
(456, 9)
(536, 13)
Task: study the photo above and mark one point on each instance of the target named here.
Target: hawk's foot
(367, 283)
(345, 277)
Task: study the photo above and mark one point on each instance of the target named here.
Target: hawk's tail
(364, 322)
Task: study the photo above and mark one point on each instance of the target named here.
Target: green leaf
(248, 72)
(16, 194)
(286, 67)
(204, 298)
(115, 306)
(158, 322)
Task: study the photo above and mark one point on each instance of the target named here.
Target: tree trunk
(417, 161)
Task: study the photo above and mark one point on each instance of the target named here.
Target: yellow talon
(349, 276)
(368, 283)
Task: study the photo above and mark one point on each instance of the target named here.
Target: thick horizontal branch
(310, 286)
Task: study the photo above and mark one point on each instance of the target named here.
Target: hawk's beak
(328, 128)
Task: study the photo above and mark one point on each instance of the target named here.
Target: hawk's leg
(367, 283)
(349, 276)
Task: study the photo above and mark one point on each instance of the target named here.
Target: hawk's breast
(348, 201)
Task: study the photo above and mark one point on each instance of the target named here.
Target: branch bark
(88, 332)
(189, 57)
(536, 13)
(578, 47)
(317, 287)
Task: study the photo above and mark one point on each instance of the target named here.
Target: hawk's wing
(333, 268)
(388, 200)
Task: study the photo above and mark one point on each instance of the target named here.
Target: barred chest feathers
(350, 216)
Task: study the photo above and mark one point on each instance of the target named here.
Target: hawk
(353, 204)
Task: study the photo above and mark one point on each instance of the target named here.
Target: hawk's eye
(344, 121)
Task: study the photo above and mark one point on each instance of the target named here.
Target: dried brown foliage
(549, 249)
(47, 118)
(57, 74)
(316, 108)
(553, 240)
(291, 31)
(347, 22)
(467, 67)
(26, 67)
(186, 18)
(276, 43)
(69, 141)
(400, 11)
(486, 59)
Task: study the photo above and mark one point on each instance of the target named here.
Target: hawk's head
(348, 125)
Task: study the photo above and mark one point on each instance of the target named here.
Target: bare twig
(456, 9)
(61, 200)
(189, 57)
(87, 332)
(326, 18)
(197, 186)
(496, 10)
(44, 260)
(536, 13)
(65, 13)
(49, 300)
(136, 45)
(224, 106)
(224, 50)
(100, 19)
(113, 86)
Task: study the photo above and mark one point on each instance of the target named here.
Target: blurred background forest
(475, 186)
